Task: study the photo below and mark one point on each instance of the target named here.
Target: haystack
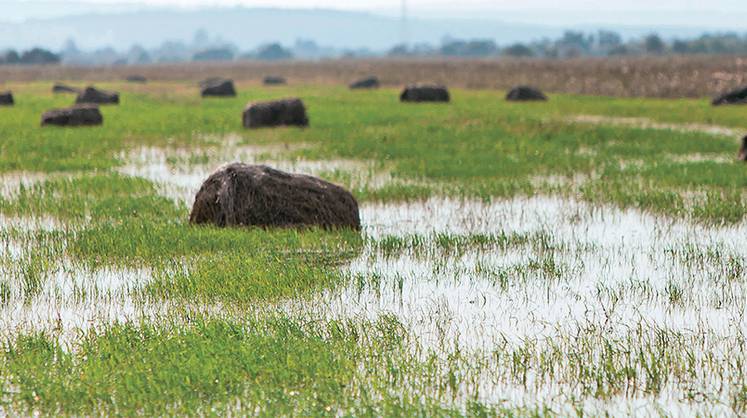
(366, 83)
(78, 115)
(525, 94)
(217, 87)
(738, 96)
(273, 80)
(93, 95)
(425, 93)
(6, 98)
(285, 112)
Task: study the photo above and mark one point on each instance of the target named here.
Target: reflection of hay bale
(6, 98)
(733, 97)
(425, 93)
(240, 194)
(217, 87)
(96, 96)
(78, 115)
(366, 83)
(525, 94)
(286, 112)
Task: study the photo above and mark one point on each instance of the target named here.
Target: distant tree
(680, 47)
(473, 48)
(518, 50)
(273, 51)
(39, 56)
(400, 50)
(608, 39)
(9, 57)
(619, 50)
(653, 44)
(216, 54)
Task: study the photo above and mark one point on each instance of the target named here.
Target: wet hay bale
(63, 88)
(93, 95)
(256, 195)
(425, 93)
(6, 98)
(525, 94)
(135, 78)
(217, 87)
(743, 150)
(78, 115)
(365, 83)
(285, 112)
(732, 98)
(273, 80)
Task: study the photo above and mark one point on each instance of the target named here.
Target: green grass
(246, 358)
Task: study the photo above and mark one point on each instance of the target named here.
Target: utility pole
(405, 35)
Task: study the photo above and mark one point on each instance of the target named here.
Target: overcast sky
(674, 12)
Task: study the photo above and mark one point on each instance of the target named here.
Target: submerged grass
(243, 360)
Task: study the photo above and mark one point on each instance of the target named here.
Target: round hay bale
(425, 93)
(365, 83)
(273, 80)
(525, 94)
(6, 98)
(93, 95)
(285, 112)
(735, 97)
(743, 150)
(78, 115)
(217, 87)
(136, 78)
(62, 88)
(257, 195)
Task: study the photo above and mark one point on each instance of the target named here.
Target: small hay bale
(136, 78)
(257, 195)
(63, 88)
(78, 115)
(365, 83)
(6, 98)
(417, 93)
(273, 80)
(92, 95)
(743, 150)
(217, 87)
(285, 112)
(525, 94)
(735, 97)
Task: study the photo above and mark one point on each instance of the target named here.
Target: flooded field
(523, 261)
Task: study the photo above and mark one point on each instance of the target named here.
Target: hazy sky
(679, 12)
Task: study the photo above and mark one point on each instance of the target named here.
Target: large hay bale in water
(6, 98)
(63, 88)
(286, 112)
(273, 80)
(78, 115)
(366, 83)
(93, 95)
(217, 87)
(525, 94)
(245, 195)
(733, 97)
(425, 93)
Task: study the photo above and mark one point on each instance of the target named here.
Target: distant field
(581, 256)
(665, 77)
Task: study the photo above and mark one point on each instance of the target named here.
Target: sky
(679, 12)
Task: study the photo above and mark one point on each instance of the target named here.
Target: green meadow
(113, 304)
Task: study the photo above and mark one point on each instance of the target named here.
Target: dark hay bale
(743, 150)
(366, 83)
(217, 87)
(6, 98)
(136, 79)
(273, 80)
(525, 94)
(425, 93)
(78, 115)
(285, 112)
(62, 88)
(93, 95)
(243, 195)
(733, 97)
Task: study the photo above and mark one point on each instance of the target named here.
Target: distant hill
(248, 28)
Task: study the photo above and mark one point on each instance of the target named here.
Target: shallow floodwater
(646, 123)
(582, 273)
